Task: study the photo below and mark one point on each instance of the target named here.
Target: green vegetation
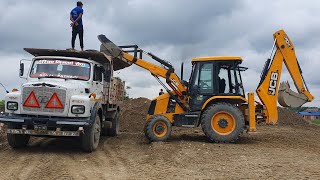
(126, 94)
(2, 104)
(299, 109)
(317, 121)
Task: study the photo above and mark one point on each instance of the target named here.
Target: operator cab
(214, 76)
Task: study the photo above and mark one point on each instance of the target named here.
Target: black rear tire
(222, 123)
(158, 128)
(90, 138)
(115, 129)
(17, 140)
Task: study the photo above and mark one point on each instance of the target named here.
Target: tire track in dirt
(274, 152)
(33, 163)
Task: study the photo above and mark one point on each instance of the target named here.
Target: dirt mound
(133, 114)
(287, 117)
(134, 111)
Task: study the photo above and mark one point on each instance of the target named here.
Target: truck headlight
(12, 105)
(77, 109)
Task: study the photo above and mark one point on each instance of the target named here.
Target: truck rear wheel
(158, 128)
(222, 122)
(90, 138)
(114, 130)
(17, 140)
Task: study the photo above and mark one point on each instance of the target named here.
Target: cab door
(97, 83)
(202, 84)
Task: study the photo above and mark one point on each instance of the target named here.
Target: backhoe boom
(270, 89)
(166, 72)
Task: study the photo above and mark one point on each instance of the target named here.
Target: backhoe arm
(155, 70)
(269, 90)
(166, 72)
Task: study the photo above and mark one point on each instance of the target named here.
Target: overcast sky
(175, 30)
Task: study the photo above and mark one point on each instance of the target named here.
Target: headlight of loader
(77, 109)
(12, 106)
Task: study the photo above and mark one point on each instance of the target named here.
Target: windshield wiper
(47, 77)
(75, 78)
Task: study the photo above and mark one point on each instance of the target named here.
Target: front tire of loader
(158, 128)
(222, 123)
(90, 138)
(17, 140)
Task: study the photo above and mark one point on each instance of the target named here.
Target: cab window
(97, 74)
(205, 79)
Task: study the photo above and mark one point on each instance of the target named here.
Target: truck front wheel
(17, 140)
(90, 138)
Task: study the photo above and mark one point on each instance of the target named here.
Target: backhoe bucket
(289, 98)
(110, 49)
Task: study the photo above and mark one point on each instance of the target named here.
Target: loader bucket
(289, 98)
(110, 49)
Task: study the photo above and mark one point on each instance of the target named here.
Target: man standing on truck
(77, 26)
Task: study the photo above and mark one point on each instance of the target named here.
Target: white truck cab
(66, 94)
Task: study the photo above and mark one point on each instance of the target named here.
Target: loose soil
(289, 150)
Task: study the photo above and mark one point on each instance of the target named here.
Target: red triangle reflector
(54, 102)
(32, 101)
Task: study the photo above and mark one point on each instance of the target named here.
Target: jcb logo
(273, 83)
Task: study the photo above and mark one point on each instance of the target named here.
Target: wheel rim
(96, 131)
(160, 129)
(223, 123)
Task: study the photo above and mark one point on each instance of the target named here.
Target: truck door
(97, 85)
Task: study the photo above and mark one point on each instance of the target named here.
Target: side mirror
(21, 70)
(23, 62)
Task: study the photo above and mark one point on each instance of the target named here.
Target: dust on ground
(290, 150)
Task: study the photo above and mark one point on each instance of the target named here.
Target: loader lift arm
(270, 89)
(167, 71)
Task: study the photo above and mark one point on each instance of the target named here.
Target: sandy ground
(275, 152)
(290, 150)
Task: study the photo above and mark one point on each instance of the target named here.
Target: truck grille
(43, 95)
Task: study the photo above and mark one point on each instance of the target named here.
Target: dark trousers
(77, 30)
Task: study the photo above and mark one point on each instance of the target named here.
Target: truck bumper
(42, 126)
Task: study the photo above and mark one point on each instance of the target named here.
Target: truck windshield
(65, 69)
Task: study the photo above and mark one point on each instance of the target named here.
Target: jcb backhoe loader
(214, 96)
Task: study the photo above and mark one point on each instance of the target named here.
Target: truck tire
(114, 130)
(90, 138)
(17, 140)
(222, 123)
(158, 128)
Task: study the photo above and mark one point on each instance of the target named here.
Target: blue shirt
(75, 14)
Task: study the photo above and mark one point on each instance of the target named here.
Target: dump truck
(214, 97)
(66, 94)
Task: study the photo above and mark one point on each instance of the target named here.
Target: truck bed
(88, 54)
